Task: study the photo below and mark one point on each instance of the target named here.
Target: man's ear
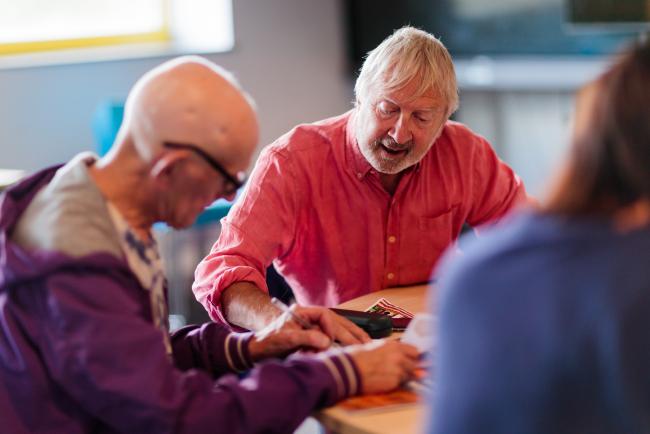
(163, 169)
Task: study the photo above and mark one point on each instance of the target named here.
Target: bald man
(84, 343)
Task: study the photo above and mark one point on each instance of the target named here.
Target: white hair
(409, 54)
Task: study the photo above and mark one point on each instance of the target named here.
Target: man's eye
(423, 117)
(387, 110)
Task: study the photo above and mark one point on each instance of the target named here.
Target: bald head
(191, 100)
(188, 130)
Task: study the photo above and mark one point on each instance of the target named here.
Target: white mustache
(391, 144)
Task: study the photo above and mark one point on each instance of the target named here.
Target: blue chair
(106, 123)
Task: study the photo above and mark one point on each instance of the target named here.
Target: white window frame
(190, 27)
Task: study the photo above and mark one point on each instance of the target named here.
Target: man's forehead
(428, 99)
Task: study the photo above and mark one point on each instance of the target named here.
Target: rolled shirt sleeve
(258, 229)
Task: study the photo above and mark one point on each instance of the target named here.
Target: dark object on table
(376, 325)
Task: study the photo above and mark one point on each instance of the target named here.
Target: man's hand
(346, 332)
(284, 335)
(384, 365)
(247, 306)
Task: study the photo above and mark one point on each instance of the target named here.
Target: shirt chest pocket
(435, 235)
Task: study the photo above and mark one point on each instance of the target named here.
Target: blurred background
(518, 63)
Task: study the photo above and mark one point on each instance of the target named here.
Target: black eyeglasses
(236, 181)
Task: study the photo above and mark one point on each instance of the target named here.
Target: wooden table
(397, 420)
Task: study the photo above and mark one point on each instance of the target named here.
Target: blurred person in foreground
(84, 344)
(363, 201)
(545, 323)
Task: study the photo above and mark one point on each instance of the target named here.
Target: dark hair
(609, 162)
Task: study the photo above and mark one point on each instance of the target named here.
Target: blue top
(545, 328)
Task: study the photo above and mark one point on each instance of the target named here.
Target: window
(79, 30)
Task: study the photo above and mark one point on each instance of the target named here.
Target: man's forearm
(247, 306)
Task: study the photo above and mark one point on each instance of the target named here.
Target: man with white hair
(84, 344)
(363, 201)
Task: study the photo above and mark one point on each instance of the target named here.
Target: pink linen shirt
(316, 208)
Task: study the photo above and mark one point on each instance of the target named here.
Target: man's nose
(401, 131)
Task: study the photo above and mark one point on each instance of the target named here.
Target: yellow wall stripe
(63, 44)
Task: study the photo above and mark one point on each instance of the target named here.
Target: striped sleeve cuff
(236, 351)
(344, 372)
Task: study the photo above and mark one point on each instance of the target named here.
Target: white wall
(289, 55)
(523, 106)
(529, 129)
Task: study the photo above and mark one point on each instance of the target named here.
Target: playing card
(385, 307)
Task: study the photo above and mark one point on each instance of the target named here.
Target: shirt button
(390, 276)
(359, 175)
(392, 239)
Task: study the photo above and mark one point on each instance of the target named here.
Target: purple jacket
(79, 353)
